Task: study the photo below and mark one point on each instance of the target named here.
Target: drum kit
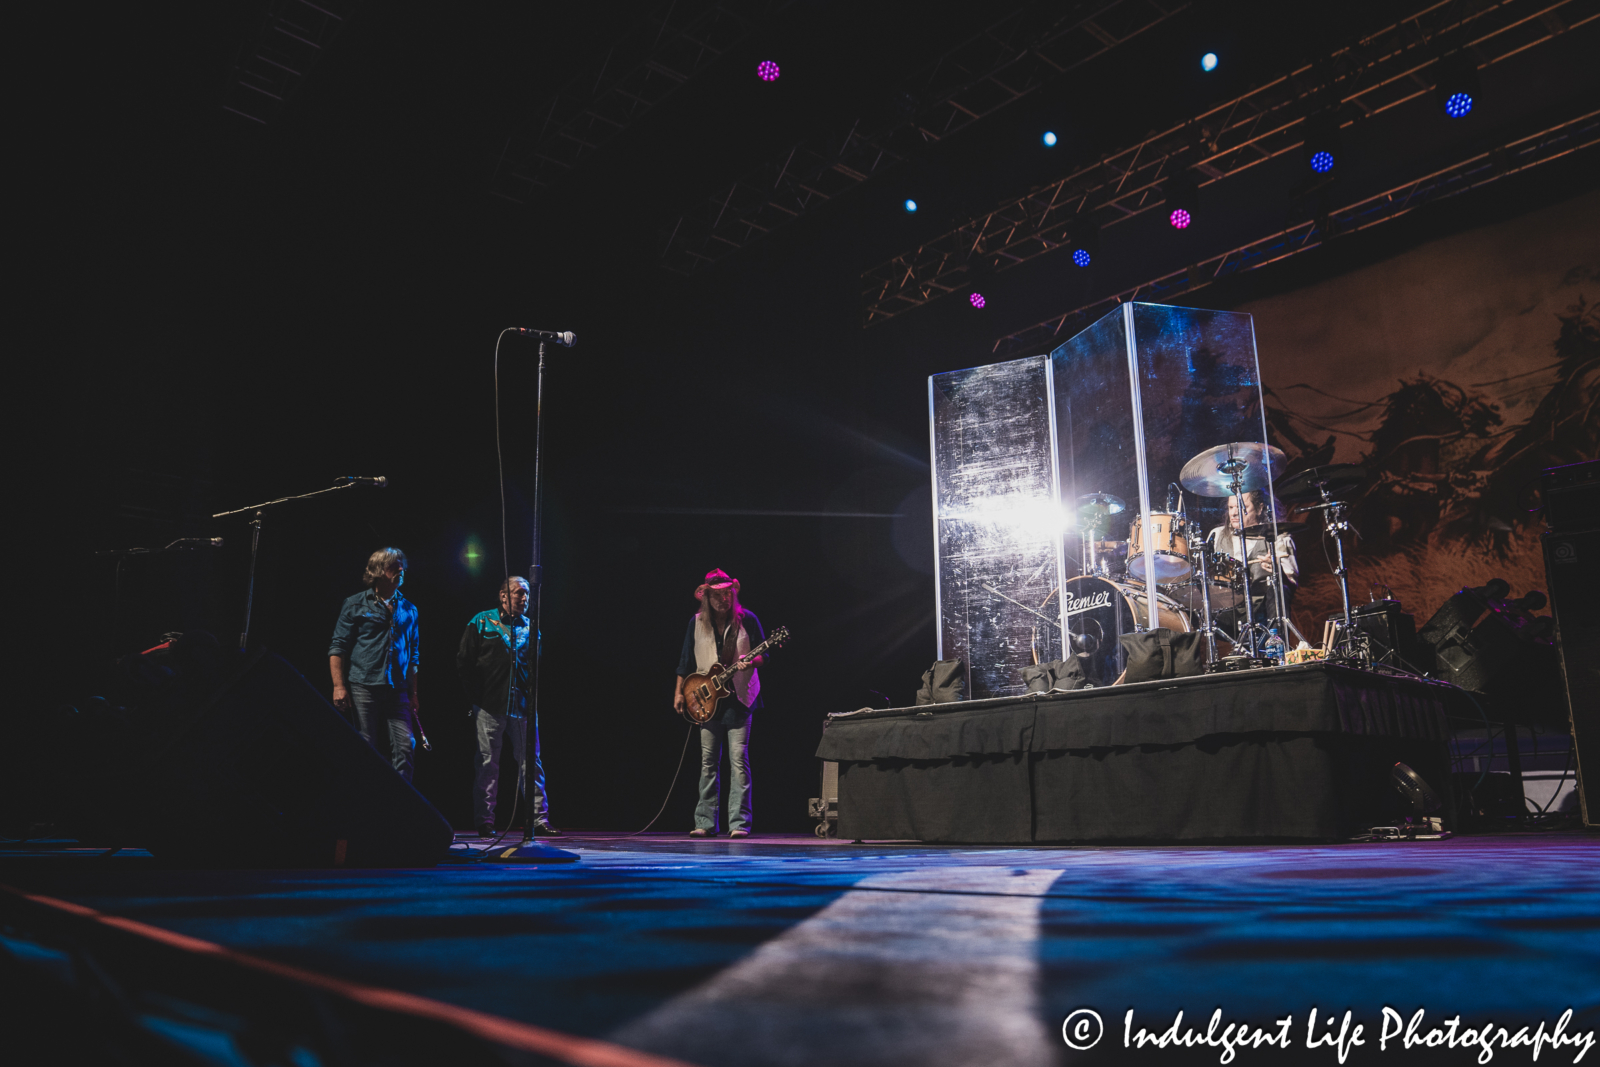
(1195, 583)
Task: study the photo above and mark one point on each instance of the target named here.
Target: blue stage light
(911, 205)
(1049, 139)
(1458, 105)
(1321, 162)
(1208, 62)
(1080, 257)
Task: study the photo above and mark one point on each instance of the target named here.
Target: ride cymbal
(1211, 473)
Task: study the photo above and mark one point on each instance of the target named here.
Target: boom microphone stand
(255, 537)
(528, 851)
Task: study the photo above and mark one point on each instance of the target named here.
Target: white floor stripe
(936, 968)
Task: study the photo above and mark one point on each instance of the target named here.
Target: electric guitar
(703, 692)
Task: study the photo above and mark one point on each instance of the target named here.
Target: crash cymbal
(1308, 484)
(1285, 529)
(1112, 504)
(1211, 472)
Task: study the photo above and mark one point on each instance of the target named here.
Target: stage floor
(791, 950)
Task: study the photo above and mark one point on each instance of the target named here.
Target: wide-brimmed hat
(717, 579)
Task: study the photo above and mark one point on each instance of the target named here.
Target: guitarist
(720, 632)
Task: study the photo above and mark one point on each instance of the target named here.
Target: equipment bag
(1056, 676)
(943, 682)
(1160, 653)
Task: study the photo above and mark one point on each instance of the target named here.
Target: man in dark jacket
(496, 663)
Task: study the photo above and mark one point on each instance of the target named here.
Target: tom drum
(1171, 547)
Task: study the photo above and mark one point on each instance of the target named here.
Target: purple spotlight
(1179, 219)
(767, 70)
(1080, 257)
(976, 299)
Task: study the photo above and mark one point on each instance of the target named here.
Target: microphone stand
(255, 545)
(528, 851)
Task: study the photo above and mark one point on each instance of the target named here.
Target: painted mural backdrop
(1454, 373)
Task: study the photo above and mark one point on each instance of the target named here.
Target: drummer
(1262, 563)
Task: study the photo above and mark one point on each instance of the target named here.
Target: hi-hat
(1211, 473)
(1308, 484)
(1113, 505)
(1285, 529)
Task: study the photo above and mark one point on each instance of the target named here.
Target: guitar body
(703, 692)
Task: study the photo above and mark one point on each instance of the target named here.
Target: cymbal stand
(1355, 646)
(1197, 538)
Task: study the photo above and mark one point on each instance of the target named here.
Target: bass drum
(1097, 612)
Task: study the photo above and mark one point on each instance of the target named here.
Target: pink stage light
(767, 70)
(1179, 219)
(976, 299)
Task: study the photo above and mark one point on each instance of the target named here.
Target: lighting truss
(675, 43)
(1380, 71)
(1007, 61)
(271, 67)
(1473, 172)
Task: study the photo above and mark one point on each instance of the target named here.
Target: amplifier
(1570, 496)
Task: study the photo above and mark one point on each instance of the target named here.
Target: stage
(788, 950)
(1289, 753)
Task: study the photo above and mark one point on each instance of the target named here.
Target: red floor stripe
(581, 1051)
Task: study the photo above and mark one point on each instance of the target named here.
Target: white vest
(746, 683)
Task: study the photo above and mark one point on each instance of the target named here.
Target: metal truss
(1007, 61)
(1380, 71)
(273, 66)
(676, 42)
(1473, 172)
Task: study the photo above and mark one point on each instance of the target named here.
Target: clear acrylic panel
(997, 523)
(1056, 507)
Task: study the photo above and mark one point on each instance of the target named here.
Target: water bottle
(1273, 647)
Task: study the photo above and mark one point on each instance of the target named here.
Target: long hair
(1257, 499)
(703, 595)
(379, 562)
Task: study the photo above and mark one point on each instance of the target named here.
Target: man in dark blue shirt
(373, 659)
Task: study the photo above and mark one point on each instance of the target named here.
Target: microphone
(566, 339)
(1172, 498)
(197, 542)
(357, 479)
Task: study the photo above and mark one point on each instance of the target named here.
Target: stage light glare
(1080, 257)
(1180, 219)
(767, 70)
(1049, 139)
(1208, 62)
(1321, 162)
(911, 206)
(1458, 105)
(976, 299)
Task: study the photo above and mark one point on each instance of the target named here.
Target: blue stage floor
(793, 951)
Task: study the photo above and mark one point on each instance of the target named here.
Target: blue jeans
(383, 717)
(713, 736)
(492, 731)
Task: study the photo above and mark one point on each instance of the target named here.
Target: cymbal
(1112, 504)
(1204, 474)
(1307, 484)
(1285, 529)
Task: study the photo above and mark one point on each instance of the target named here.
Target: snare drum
(1167, 536)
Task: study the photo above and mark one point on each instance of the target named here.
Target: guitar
(703, 692)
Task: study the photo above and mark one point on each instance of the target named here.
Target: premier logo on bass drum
(1087, 603)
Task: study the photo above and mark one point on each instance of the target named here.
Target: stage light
(1322, 139)
(976, 299)
(1457, 85)
(1321, 162)
(1182, 198)
(767, 70)
(1080, 257)
(1208, 62)
(1083, 231)
(911, 206)
(1049, 139)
